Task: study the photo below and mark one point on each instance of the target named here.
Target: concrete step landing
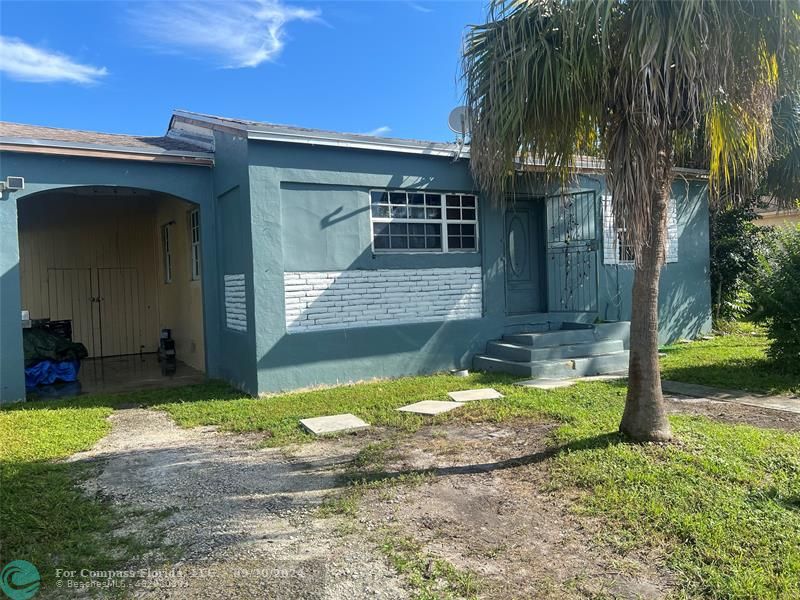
(573, 350)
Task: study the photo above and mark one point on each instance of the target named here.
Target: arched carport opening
(112, 267)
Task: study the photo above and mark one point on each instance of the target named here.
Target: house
(772, 215)
(283, 257)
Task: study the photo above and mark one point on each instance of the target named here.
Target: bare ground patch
(239, 514)
(241, 519)
(488, 511)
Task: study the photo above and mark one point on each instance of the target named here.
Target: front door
(572, 252)
(525, 249)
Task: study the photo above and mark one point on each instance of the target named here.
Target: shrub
(735, 243)
(777, 295)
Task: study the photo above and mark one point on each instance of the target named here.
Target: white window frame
(618, 235)
(194, 243)
(166, 251)
(443, 222)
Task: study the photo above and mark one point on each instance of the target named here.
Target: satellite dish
(459, 120)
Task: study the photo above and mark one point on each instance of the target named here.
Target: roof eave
(13, 144)
(449, 150)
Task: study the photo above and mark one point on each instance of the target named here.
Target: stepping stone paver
(470, 395)
(429, 407)
(333, 424)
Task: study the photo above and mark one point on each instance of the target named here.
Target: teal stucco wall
(269, 208)
(310, 212)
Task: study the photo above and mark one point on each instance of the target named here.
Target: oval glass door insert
(517, 246)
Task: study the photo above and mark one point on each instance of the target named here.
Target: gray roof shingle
(154, 144)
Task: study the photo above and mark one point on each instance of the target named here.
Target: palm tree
(637, 81)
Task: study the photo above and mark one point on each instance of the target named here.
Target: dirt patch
(733, 413)
(242, 518)
(488, 510)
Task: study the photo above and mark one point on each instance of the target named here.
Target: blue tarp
(49, 371)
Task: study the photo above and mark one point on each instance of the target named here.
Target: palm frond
(644, 79)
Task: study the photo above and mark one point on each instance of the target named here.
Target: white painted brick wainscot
(345, 299)
(235, 302)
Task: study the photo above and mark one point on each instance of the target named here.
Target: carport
(110, 241)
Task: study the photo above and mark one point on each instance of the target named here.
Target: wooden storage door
(71, 296)
(122, 311)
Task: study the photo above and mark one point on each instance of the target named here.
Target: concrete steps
(571, 350)
(523, 353)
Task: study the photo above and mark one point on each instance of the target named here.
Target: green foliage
(737, 361)
(777, 294)
(44, 517)
(735, 241)
(432, 578)
(782, 178)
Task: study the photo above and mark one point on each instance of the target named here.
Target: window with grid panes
(416, 221)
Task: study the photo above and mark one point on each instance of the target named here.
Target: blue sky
(382, 66)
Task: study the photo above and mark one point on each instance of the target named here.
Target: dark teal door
(525, 253)
(572, 255)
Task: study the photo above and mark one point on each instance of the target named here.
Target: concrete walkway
(784, 403)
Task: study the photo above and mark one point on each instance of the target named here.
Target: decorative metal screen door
(572, 252)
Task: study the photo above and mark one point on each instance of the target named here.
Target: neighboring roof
(256, 130)
(35, 138)
(187, 122)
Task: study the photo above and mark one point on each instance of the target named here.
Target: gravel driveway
(241, 517)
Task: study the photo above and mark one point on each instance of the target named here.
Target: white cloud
(24, 62)
(420, 8)
(378, 131)
(237, 33)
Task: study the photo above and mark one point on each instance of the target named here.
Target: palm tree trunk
(645, 418)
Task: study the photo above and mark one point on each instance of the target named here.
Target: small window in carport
(194, 237)
(166, 250)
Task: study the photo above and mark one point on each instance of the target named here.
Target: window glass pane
(399, 241)
(414, 220)
(433, 199)
(399, 228)
(378, 197)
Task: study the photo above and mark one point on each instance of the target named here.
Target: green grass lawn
(734, 361)
(44, 518)
(724, 501)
